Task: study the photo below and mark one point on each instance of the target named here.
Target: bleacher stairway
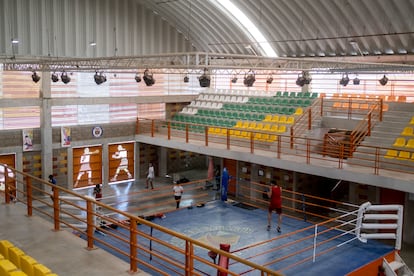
(385, 133)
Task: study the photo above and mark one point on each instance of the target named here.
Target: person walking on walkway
(150, 176)
(178, 191)
(52, 181)
(275, 204)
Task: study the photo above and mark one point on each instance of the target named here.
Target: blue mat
(218, 222)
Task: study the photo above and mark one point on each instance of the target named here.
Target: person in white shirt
(178, 191)
(150, 176)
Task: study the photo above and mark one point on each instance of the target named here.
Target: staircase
(396, 267)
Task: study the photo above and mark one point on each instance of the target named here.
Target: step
(395, 265)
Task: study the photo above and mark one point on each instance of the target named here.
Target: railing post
(90, 227)
(310, 119)
(189, 264)
(228, 138)
(380, 111)
(291, 138)
(321, 106)
(279, 146)
(56, 209)
(377, 159)
(369, 123)
(206, 135)
(152, 128)
(7, 189)
(251, 142)
(341, 156)
(133, 245)
(186, 133)
(169, 130)
(29, 194)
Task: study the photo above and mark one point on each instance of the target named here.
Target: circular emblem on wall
(97, 131)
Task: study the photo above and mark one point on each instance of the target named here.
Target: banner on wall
(121, 161)
(87, 166)
(27, 139)
(65, 136)
(6, 173)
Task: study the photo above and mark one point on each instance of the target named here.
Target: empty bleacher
(14, 261)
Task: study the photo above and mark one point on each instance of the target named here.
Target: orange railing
(281, 144)
(131, 241)
(327, 218)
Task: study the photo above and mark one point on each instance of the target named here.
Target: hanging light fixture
(99, 78)
(344, 80)
(65, 78)
(148, 78)
(137, 77)
(269, 79)
(300, 81)
(383, 81)
(35, 77)
(249, 78)
(356, 80)
(234, 79)
(186, 79)
(54, 77)
(204, 79)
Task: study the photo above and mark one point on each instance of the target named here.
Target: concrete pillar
(105, 164)
(46, 125)
(163, 161)
(137, 161)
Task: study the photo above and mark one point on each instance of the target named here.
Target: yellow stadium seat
(337, 104)
(410, 144)
(272, 138)
(268, 118)
(273, 128)
(299, 111)
(41, 270)
(290, 120)
(27, 264)
(266, 127)
(252, 125)
(399, 142)
(282, 119)
(17, 273)
(4, 248)
(391, 154)
(404, 155)
(355, 105)
(265, 137)
(1, 257)
(275, 118)
(15, 254)
(407, 131)
(245, 124)
(402, 98)
(412, 121)
(257, 136)
(282, 128)
(6, 267)
(259, 126)
(239, 124)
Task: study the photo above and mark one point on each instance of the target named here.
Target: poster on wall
(87, 166)
(27, 139)
(7, 174)
(65, 136)
(121, 162)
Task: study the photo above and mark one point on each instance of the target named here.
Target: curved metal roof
(297, 28)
